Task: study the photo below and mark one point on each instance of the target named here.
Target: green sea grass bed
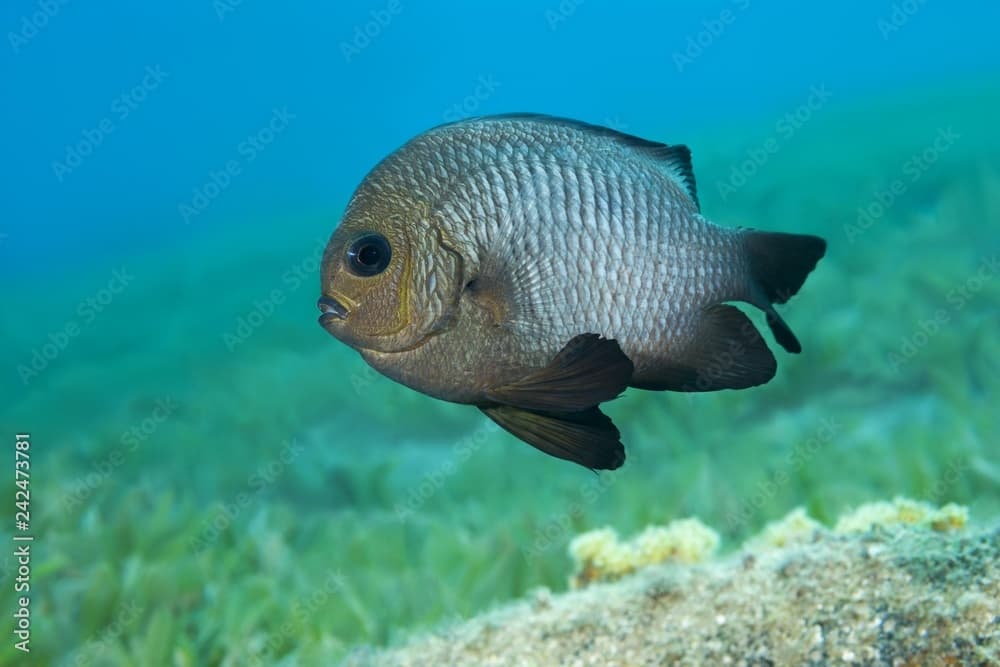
(227, 485)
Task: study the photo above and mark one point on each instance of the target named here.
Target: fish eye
(369, 255)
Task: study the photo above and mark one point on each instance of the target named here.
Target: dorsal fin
(675, 161)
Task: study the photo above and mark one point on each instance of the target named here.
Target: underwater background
(216, 481)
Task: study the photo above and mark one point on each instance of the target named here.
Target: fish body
(536, 266)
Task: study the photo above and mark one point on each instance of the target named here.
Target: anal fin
(587, 371)
(725, 352)
(587, 437)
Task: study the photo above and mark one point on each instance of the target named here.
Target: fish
(536, 267)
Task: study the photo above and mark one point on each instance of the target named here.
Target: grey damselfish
(535, 267)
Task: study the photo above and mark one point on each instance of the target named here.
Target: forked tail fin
(779, 264)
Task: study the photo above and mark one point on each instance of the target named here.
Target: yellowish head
(389, 282)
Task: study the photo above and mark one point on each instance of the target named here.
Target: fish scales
(535, 266)
(599, 227)
(602, 223)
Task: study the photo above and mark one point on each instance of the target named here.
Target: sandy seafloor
(220, 483)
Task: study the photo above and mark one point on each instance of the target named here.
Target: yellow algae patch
(684, 541)
(796, 527)
(591, 545)
(600, 556)
(903, 512)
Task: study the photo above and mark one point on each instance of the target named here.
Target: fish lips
(331, 311)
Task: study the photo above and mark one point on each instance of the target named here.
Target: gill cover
(415, 297)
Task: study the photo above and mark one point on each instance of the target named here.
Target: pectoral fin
(587, 437)
(587, 371)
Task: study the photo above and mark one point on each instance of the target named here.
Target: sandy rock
(907, 597)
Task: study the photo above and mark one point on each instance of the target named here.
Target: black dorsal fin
(675, 160)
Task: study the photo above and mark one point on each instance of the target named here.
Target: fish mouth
(330, 310)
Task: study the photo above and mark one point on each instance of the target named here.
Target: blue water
(172, 171)
(227, 66)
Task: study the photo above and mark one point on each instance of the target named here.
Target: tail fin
(779, 264)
